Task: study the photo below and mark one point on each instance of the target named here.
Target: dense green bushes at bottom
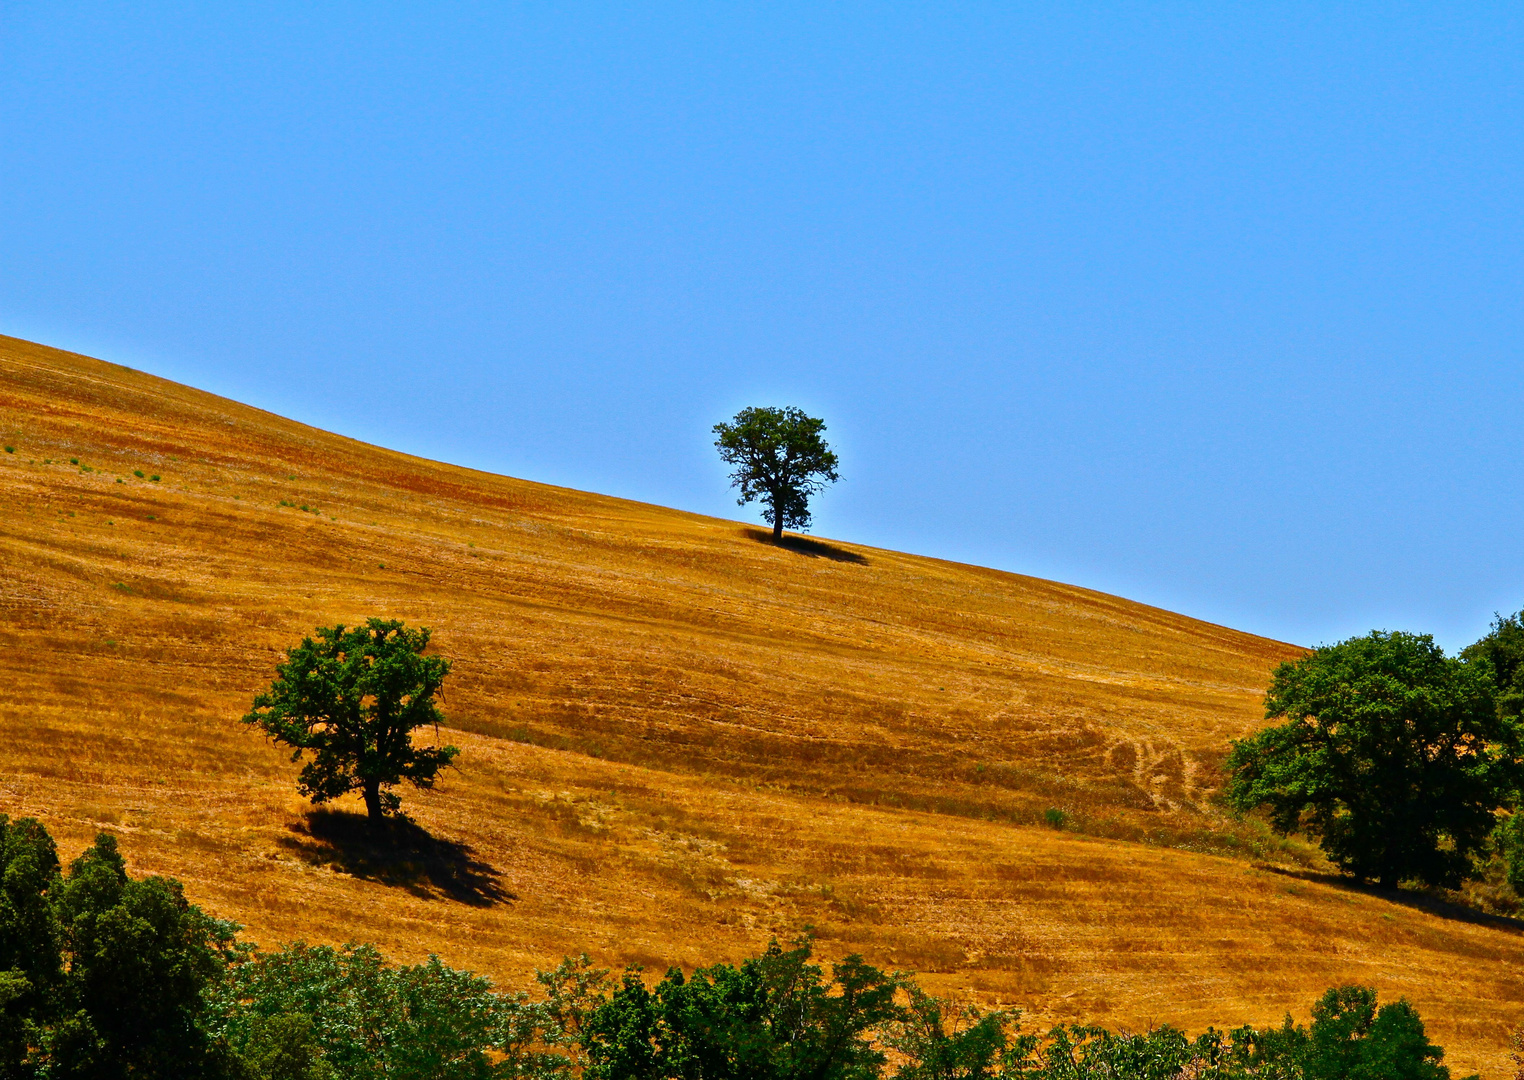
(107, 978)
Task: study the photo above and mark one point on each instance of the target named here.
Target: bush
(348, 1012)
(776, 1015)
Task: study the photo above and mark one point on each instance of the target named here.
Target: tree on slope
(352, 700)
(1393, 755)
(779, 458)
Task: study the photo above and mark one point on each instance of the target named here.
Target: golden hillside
(677, 739)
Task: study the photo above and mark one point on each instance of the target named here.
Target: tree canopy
(779, 457)
(352, 699)
(1503, 650)
(1393, 755)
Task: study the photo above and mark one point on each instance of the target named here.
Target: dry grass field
(677, 739)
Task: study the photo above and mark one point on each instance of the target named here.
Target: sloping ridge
(678, 739)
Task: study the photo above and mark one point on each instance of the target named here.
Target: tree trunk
(778, 526)
(373, 802)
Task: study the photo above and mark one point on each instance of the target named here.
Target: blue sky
(1217, 307)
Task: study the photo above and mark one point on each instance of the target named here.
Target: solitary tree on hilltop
(780, 458)
(1393, 755)
(352, 699)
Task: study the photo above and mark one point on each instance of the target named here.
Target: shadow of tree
(804, 545)
(399, 853)
(1422, 901)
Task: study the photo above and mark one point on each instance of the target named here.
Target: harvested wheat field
(677, 739)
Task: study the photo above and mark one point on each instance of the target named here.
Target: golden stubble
(677, 740)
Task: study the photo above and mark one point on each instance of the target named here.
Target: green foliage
(139, 960)
(347, 1013)
(31, 967)
(1509, 838)
(574, 990)
(1352, 1040)
(780, 458)
(352, 699)
(941, 1041)
(1394, 756)
(283, 1047)
(1055, 817)
(1502, 650)
(775, 1016)
(138, 473)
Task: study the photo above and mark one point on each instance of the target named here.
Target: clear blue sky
(1217, 307)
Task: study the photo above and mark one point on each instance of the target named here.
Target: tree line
(104, 976)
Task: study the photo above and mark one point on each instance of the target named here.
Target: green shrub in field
(347, 1013)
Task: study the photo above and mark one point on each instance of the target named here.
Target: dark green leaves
(139, 960)
(1393, 755)
(775, 1017)
(779, 457)
(351, 700)
(360, 1018)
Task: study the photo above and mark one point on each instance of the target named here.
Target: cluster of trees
(1404, 763)
(107, 977)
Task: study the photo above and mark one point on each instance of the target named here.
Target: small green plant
(138, 473)
(1055, 817)
(154, 478)
(74, 461)
(153, 517)
(10, 449)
